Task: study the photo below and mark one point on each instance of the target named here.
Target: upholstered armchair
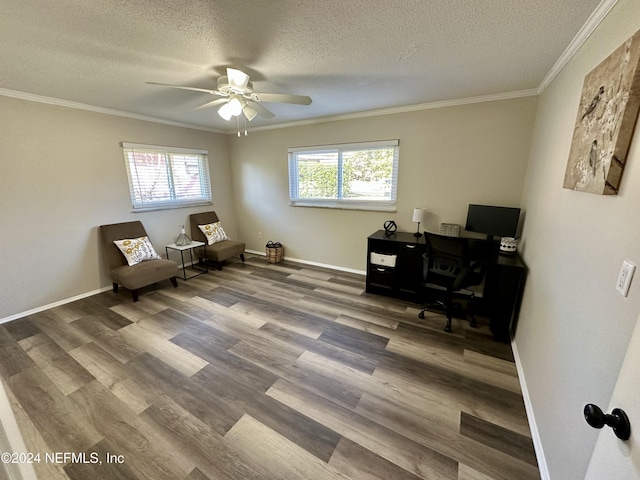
(218, 246)
(150, 268)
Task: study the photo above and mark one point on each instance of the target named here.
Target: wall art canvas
(605, 123)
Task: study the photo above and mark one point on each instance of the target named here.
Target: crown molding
(404, 109)
(348, 116)
(585, 32)
(30, 97)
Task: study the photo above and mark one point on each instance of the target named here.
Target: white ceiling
(348, 55)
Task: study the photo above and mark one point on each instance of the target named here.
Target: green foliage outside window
(317, 178)
(365, 174)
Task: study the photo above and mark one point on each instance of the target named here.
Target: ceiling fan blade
(212, 103)
(281, 98)
(249, 112)
(237, 80)
(263, 112)
(195, 89)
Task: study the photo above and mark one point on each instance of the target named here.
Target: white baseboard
(315, 264)
(53, 305)
(535, 434)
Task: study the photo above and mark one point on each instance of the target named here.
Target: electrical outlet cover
(624, 277)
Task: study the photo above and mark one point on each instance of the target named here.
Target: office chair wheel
(421, 315)
(447, 327)
(473, 323)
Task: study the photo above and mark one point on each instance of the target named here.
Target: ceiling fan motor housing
(226, 89)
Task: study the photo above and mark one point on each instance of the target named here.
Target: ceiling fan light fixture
(235, 107)
(225, 112)
(232, 108)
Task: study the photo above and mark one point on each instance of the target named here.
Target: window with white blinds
(166, 177)
(360, 176)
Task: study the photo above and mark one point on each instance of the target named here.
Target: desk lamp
(418, 216)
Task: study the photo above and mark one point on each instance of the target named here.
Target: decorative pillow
(137, 250)
(213, 232)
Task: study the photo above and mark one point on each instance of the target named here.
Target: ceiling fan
(239, 98)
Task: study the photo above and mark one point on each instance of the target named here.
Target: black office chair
(448, 268)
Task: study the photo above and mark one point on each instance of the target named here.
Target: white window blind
(353, 176)
(166, 177)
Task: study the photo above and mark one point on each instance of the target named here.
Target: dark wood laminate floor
(263, 372)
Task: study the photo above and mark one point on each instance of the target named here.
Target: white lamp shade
(418, 215)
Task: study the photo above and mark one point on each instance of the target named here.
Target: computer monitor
(492, 221)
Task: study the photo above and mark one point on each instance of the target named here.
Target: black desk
(504, 283)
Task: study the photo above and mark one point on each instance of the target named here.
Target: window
(166, 177)
(355, 176)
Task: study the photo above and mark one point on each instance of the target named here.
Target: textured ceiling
(348, 55)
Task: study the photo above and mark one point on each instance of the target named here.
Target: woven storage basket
(275, 252)
(450, 229)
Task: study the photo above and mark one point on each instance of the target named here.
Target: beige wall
(449, 157)
(63, 174)
(574, 326)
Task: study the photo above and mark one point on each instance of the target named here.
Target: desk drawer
(383, 259)
(381, 277)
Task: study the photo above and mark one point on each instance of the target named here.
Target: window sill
(345, 205)
(156, 208)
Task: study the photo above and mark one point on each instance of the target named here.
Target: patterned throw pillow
(213, 232)
(137, 250)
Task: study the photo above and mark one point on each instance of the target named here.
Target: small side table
(190, 247)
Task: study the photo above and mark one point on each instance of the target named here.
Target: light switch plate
(624, 277)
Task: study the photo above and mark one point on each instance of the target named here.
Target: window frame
(384, 205)
(204, 177)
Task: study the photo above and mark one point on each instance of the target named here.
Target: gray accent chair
(218, 252)
(134, 277)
